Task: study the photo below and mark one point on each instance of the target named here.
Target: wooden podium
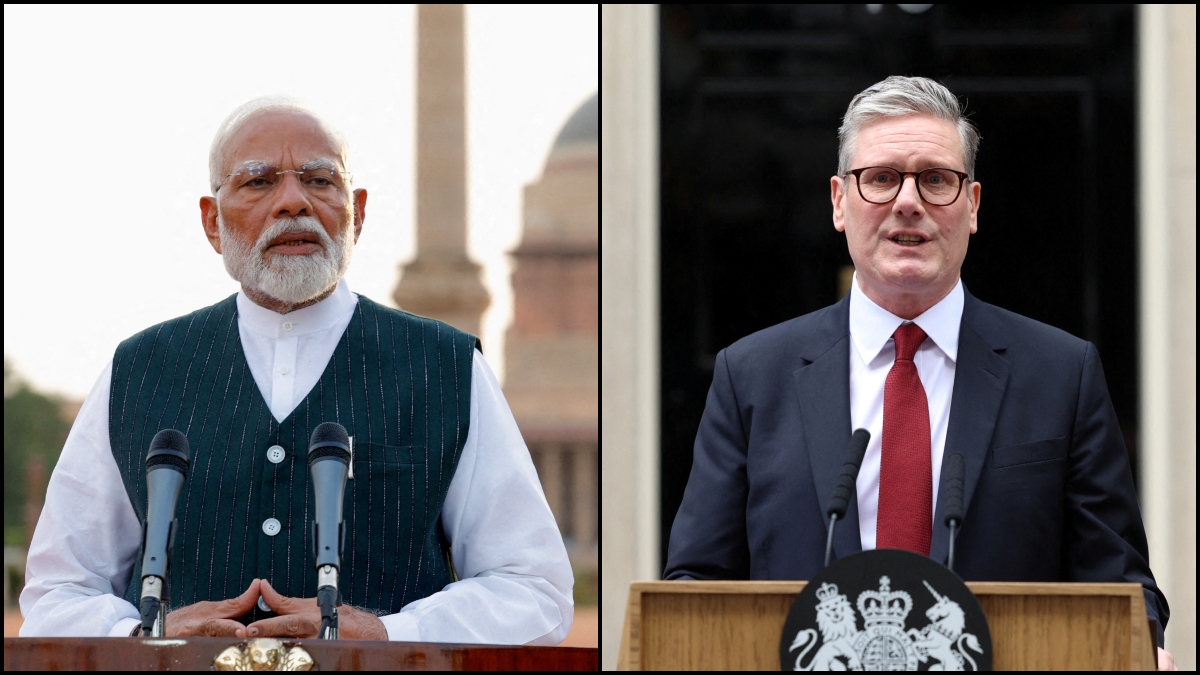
(737, 625)
(199, 653)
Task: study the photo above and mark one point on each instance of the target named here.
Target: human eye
(319, 178)
(257, 177)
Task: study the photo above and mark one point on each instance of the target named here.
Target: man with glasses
(929, 370)
(448, 536)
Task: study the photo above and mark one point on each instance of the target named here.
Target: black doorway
(751, 99)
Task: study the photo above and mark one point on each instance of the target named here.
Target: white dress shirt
(871, 359)
(515, 579)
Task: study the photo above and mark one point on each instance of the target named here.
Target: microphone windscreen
(854, 458)
(858, 447)
(169, 447)
(955, 470)
(329, 439)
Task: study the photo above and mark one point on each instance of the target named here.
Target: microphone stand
(152, 606)
(328, 598)
(845, 485)
(953, 473)
(829, 538)
(953, 531)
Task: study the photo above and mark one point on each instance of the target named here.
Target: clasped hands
(298, 618)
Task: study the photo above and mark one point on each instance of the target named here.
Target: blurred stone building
(551, 348)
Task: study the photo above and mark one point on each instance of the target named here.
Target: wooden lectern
(736, 625)
(199, 654)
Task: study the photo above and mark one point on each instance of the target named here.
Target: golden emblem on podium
(263, 654)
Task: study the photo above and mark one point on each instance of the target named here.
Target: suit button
(271, 527)
(262, 604)
(276, 453)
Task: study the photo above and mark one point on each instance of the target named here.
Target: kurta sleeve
(516, 581)
(86, 539)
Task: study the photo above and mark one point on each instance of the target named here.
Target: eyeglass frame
(963, 179)
(302, 169)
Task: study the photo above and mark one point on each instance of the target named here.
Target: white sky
(109, 113)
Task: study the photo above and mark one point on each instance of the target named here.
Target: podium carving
(263, 654)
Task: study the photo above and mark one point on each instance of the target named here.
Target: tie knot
(908, 337)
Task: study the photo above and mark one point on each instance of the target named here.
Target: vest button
(271, 527)
(276, 453)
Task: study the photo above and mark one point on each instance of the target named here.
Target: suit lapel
(980, 378)
(823, 392)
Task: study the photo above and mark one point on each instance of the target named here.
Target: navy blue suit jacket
(1049, 495)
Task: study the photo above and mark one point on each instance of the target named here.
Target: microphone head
(955, 471)
(854, 458)
(169, 447)
(329, 439)
(955, 467)
(858, 446)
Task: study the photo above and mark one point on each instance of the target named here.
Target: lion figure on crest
(835, 618)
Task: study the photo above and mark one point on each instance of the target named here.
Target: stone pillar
(1167, 246)
(583, 485)
(442, 282)
(550, 474)
(629, 304)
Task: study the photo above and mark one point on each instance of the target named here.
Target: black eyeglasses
(881, 184)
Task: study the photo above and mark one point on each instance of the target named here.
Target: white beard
(292, 279)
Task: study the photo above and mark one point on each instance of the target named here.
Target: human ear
(837, 195)
(973, 203)
(360, 211)
(208, 219)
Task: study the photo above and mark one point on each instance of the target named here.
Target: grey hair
(898, 96)
(249, 109)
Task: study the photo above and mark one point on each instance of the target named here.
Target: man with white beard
(448, 535)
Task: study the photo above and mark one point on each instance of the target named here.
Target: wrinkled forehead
(284, 139)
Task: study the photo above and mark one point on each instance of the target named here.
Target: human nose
(290, 197)
(908, 201)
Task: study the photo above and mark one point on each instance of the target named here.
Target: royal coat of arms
(884, 643)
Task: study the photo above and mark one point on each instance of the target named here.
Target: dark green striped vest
(401, 386)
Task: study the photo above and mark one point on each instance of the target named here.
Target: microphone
(845, 485)
(328, 461)
(955, 471)
(166, 469)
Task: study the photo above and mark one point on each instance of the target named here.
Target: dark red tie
(905, 473)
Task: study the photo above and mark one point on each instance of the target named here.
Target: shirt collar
(871, 326)
(318, 317)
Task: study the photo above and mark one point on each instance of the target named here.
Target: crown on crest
(885, 605)
(828, 594)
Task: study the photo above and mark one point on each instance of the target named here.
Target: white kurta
(515, 579)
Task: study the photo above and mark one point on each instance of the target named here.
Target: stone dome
(582, 128)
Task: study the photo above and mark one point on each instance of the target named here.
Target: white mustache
(289, 278)
(299, 225)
